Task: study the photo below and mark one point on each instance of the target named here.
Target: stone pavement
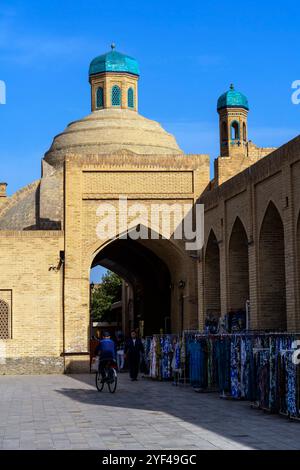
(67, 412)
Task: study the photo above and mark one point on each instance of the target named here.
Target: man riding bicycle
(107, 352)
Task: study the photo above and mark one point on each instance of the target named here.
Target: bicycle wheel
(112, 380)
(99, 382)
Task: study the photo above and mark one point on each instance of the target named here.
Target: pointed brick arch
(238, 267)
(272, 279)
(212, 296)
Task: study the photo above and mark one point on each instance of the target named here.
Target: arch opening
(212, 296)
(235, 130)
(130, 98)
(238, 267)
(146, 285)
(99, 98)
(272, 272)
(116, 96)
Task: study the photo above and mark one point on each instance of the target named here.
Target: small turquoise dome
(232, 99)
(114, 61)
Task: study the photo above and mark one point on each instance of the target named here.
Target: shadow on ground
(204, 414)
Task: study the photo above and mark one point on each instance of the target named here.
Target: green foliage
(108, 292)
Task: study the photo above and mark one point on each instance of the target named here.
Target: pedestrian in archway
(133, 350)
(120, 351)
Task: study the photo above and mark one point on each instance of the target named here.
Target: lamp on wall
(61, 261)
(52, 268)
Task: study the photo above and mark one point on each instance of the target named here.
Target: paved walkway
(66, 412)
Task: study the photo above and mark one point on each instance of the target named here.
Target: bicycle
(111, 377)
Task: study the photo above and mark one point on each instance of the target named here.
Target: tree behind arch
(104, 295)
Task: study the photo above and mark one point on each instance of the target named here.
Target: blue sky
(189, 52)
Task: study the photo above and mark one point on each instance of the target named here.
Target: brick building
(49, 239)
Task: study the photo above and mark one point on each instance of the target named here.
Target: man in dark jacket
(133, 350)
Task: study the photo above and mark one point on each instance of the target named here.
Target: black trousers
(103, 364)
(134, 364)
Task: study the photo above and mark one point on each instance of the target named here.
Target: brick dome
(110, 130)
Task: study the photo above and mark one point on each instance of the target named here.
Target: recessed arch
(169, 249)
(154, 269)
(238, 267)
(149, 277)
(130, 98)
(272, 278)
(99, 98)
(212, 296)
(116, 96)
(235, 130)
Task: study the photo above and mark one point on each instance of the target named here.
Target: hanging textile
(252, 366)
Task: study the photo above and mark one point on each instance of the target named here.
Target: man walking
(120, 352)
(133, 350)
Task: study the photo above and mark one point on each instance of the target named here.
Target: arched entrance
(212, 297)
(272, 312)
(149, 278)
(238, 267)
(161, 276)
(106, 196)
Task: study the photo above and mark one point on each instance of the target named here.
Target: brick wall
(274, 178)
(36, 329)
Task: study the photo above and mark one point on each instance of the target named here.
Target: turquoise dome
(232, 99)
(114, 61)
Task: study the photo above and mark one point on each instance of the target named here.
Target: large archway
(238, 267)
(150, 279)
(105, 197)
(272, 272)
(212, 297)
